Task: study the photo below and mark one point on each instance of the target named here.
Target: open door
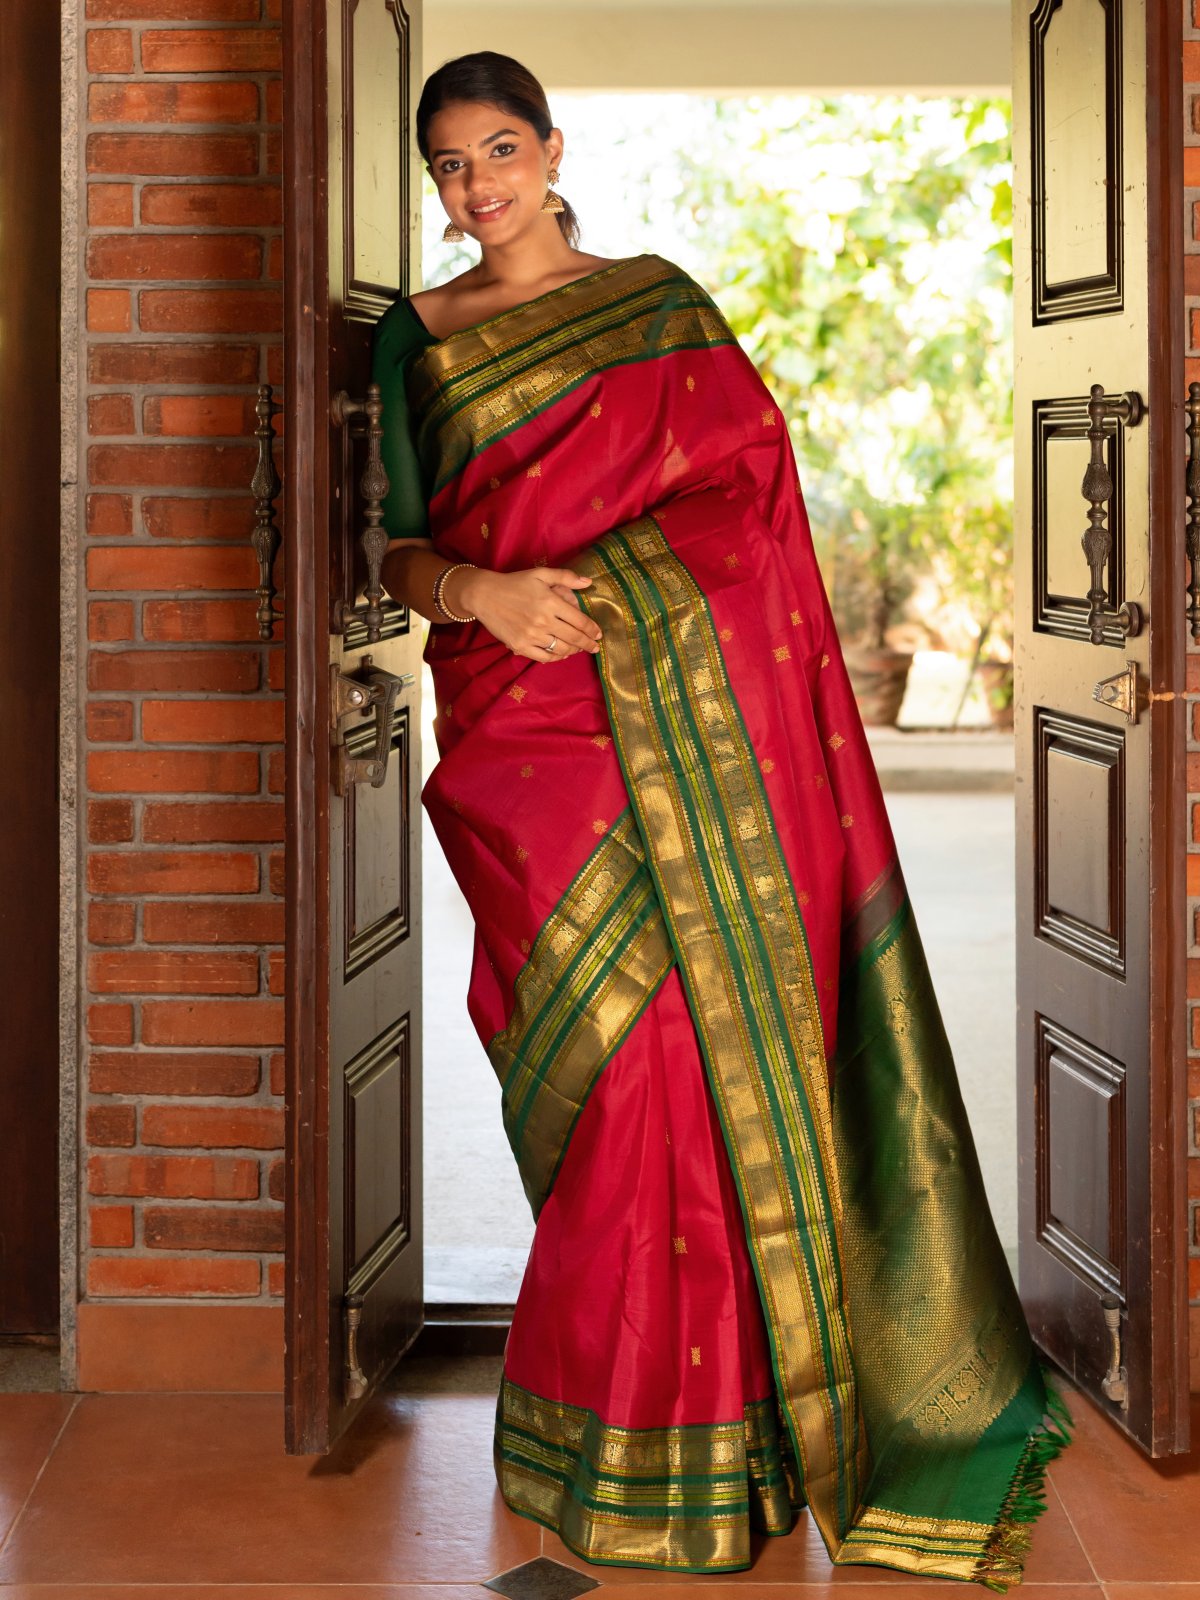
(354, 1295)
(1101, 915)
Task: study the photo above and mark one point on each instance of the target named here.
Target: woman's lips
(490, 210)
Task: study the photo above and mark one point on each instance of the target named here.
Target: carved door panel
(354, 1297)
(1100, 733)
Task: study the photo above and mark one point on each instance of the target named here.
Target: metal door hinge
(1115, 1382)
(377, 690)
(1121, 692)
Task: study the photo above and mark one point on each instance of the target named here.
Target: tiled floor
(154, 1497)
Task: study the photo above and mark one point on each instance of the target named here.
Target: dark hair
(488, 78)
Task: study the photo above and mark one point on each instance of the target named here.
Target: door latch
(1121, 692)
(376, 690)
(1115, 1382)
(356, 1378)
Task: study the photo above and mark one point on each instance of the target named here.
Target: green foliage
(861, 249)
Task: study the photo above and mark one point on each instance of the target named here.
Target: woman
(764, 1273)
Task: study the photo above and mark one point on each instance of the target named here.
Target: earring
(452, 233)
(552, 202)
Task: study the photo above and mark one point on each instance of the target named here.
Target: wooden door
(354, 1296)
(1099, 720)
(29, 652)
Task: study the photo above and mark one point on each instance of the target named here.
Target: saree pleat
(764, 1273)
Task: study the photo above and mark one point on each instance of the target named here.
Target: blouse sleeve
(397, 337)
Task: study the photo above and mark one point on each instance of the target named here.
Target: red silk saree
(764, 1273)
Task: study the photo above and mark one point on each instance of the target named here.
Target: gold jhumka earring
(452, 233)
(552, 202)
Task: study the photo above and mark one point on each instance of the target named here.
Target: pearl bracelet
(439, 583)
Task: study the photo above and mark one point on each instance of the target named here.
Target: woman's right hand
(526, 609)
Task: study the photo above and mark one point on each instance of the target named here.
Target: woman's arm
(524, 610)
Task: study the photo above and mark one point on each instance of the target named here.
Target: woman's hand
(527, 610)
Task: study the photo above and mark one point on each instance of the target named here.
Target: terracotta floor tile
(196, 1488)
(258, 1591)
(29, 1425)
(1147, 1591)
(1136, 1518)
(799, 1557)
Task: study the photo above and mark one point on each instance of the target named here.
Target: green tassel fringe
(1002, 1562)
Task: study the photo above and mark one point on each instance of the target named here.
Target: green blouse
(400, 336)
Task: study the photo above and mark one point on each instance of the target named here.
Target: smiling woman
(764, 1274)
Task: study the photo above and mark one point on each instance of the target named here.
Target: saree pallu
(764, 1273)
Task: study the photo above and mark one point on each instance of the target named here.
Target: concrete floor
(957, 850)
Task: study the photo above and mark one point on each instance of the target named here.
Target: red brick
(152, 1072)
(276, 661)
(114, 1124)
(175, 1177)
(109, 205)
(109, 414)
(211, 310)
(212, 1022)
(274, 354)
(110, 620)
(174, 257)
(276, 777)
(172, 363)
(111, 924)
(110, 1227)
(213, 1228)
(109, 721)
(212, 721)
(249, 822)
(110, 516)
(173, 102)
(275, 259)
(276, 878)
(143, 567)
(172, 972)
(201, 517)
(110, 821)
(172, 466)
(173, 771)
(214, 1127)
(138, 872)
(178, 1276)
(174, 10)
(274, 108)
(214, 620)
(110, 1024)
(212, 205)
(278, 1065)
(275, 972)
(109, 310)
(211, 50)
(277, 1180)
(173, 671)
(109, 50)
(276, 1279)
(193, 416)
(1191, 60)
(256, 922)
(178, 155)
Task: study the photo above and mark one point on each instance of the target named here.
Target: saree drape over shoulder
(764, 1272)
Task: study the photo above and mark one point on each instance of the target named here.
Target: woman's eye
(503, 149)
(448, 166)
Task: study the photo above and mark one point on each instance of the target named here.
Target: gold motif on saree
(732, 561)
(726, 634)
(768, 419)
(797, 619)
(596, 409)
(847, 821)
(782, 653)
(521, 853)
(601, 740)
(535, 471)
(597, 503)
(527, 770)
(680, 1242)
(483, 530)
(599, 825)
(835, 741)
(691, 383)
(695, 1355)
(768, 765)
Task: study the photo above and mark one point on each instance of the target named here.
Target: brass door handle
(1097, 491)
(378, 691)
(373, 486)
(265, 487)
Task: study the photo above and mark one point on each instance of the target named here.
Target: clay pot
(879, 678)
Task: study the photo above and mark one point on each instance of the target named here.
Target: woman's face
(490, 169)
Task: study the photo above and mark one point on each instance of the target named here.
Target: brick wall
(1191, 284)
(182, 774)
